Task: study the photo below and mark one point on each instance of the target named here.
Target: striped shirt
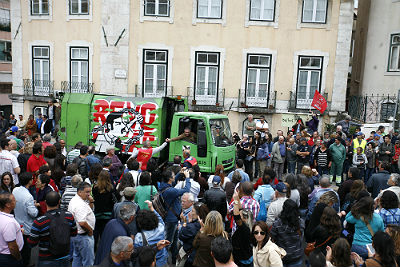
(69, 193)
(72, 155)
(247, 203)
(40, 234)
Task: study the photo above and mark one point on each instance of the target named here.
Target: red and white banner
(319, 102)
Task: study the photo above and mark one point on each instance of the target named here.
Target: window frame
(157, 14)
(299, 68)
(5, 46)
(262, 20)
(315, 2)
(40, 7)
(391, 45)
(79, 7)
(258, 67)
(155, 62)
(209, 7)
(33, 67)
(79, 60)
(218, 65)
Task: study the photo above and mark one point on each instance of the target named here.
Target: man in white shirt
(275, 208)
(194, 186)
(81, 207)
(8, 162)
(262, 126)
(21, 123)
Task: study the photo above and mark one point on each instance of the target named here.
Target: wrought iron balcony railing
(260, 99)
(158, 91)
(76, 87)
(38, 87)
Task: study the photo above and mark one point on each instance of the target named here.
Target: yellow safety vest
(357, 144)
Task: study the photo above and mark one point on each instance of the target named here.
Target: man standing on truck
(187, 135)
(144, 153)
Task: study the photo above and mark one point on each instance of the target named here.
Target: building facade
(265, 57)
(375, 77)
(5, 58)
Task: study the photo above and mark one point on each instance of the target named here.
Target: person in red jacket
(271, 173)
(144, 153)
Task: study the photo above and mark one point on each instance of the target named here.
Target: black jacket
(48, 126)
(215, 199)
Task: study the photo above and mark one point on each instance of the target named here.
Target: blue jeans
(323, 170)
(83, 250)
(360, 250)
(291, 166)
(64, 262)
(171, 234)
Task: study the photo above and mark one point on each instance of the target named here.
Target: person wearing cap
(359, 142)
(262, 126)
(129, 194)
(346, 123)
(215, 197)
(14, 130)
(276, 206)
(46, 126)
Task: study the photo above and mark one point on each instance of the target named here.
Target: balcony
(304, 105)
(76, 87)
(159, 91)
(205, 99)
(262, 102)
(38, 89)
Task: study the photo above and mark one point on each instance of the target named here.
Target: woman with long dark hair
(290, 179)
(384, 255)
(366, 222)
(304, 191)
(339, 255)
(394, 232)
(219, 171)
(104, 199)
(265, 252)
(7, 183)
(328, 230)
(286, 232)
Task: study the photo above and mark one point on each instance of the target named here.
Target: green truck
(126, 122)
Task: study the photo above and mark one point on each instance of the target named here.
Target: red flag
(319, 102)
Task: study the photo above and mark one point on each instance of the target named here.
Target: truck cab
(213, 139)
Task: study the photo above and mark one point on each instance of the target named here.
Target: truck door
(202, 148)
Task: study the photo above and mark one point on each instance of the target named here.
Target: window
(5, 20)
(221, 132)
(211, 9)
(314, 11)
(79, 73)
(308, 80)
(206, 77)
(155, 65)
(394, 53)
(258, 79)
(156, 8)
(387, 110)
(41, 70)
(39, 7)
(263, 10)
(5, 51)
(78, 7)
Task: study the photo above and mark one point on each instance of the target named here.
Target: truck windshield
(221, 132)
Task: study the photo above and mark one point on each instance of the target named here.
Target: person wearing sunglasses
(265, 252)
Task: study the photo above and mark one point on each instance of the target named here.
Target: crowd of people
(304, 199)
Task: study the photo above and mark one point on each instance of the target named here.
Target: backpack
(60, 230)
(159, 203)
